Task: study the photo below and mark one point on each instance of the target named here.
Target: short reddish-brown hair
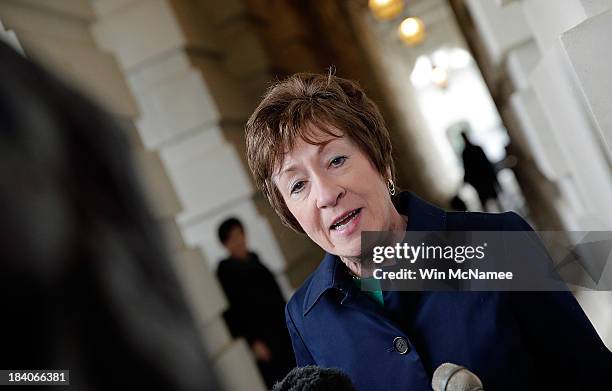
(292, 109)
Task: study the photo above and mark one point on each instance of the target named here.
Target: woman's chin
(348, 251)
(343, 247)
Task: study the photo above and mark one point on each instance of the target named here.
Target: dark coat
(510, 340)
(255, 312)
(256, 304)
(479, 172)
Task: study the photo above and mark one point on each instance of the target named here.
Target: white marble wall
(556, 63)
(558, 67)
(590, 56)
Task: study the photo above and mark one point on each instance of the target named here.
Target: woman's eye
(297, 187)
(337, 161)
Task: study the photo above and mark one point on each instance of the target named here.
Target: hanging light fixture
(386, 9)
(412, 31)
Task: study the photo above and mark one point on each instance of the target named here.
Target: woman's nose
(328, 193)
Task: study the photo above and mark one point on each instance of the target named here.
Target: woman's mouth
(349, 221)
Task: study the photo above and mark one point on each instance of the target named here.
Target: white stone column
(561, 100)
(589, 52)
(540, 50)
(187, 101)
(501, 28)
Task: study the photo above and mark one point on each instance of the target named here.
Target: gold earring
(391, 187)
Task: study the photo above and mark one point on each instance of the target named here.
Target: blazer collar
(331, 273)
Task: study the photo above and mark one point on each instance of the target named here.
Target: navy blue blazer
(510, 340)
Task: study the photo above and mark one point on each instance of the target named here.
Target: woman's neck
(399, 222)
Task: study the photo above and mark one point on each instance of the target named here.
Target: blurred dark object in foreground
(313, 378)
(86, 284)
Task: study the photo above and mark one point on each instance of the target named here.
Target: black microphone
(313, 378)
(452, 377)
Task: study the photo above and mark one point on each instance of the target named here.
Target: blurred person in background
(321, 154)
(86, 283)
(256, 304)
(480, 173)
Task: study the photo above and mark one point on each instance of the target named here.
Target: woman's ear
(388, 176)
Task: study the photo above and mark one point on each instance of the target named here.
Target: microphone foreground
(313, 378)
(452, 377)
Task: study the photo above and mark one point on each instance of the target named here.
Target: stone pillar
(586, 181)
(559, 96)
(589, 55)
(188, 100)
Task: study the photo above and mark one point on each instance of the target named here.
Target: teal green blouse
(371, 287)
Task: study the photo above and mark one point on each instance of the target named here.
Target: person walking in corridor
(256, 304)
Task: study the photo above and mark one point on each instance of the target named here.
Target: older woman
(320, 152)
